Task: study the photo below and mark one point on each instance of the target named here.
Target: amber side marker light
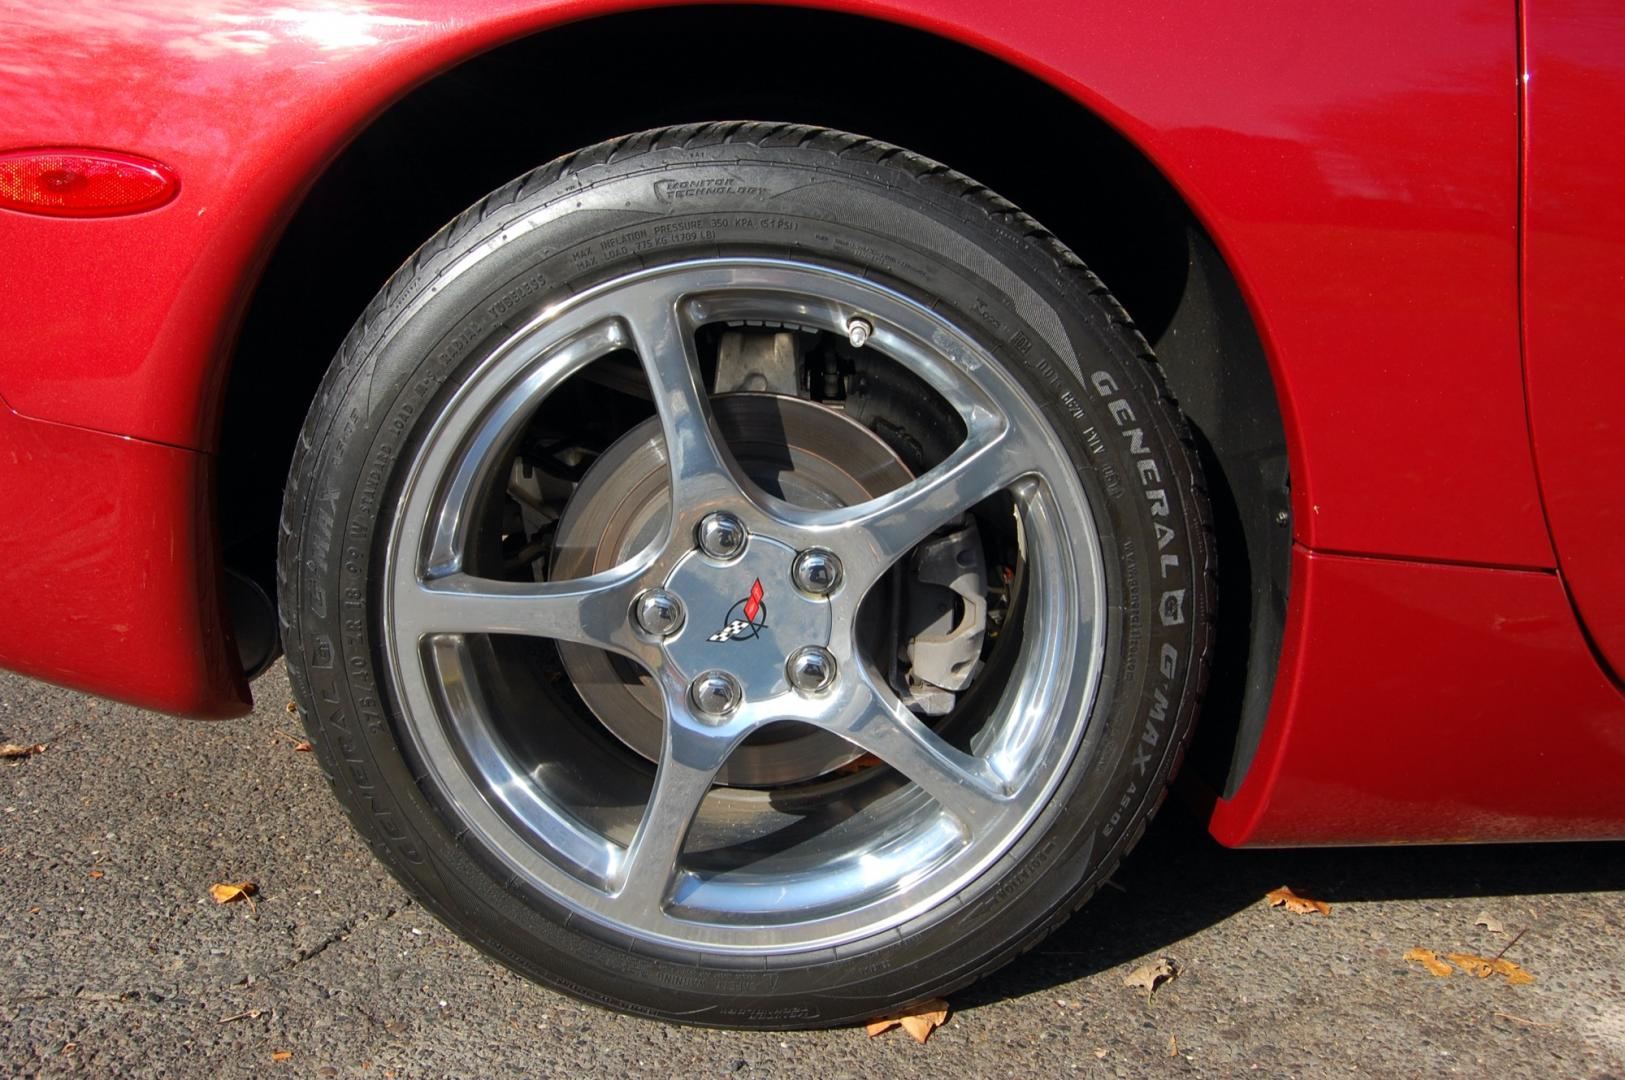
(69, 182)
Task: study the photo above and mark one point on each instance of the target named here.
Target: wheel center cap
(744, 617)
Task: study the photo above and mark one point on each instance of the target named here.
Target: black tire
(832, 199)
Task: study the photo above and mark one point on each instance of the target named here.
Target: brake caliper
(943, 619)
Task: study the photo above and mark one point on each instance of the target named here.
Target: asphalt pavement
(116, 961)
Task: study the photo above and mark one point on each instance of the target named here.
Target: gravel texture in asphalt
(115, 961)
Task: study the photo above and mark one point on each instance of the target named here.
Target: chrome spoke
(875, 534)
(589, 611)
(703, 473)
(686, 771)
(963, 784)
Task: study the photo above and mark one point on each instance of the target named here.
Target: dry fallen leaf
(1430, 960)
(1483, 967)
(1516, 975)
(921, 1025)
(97, 873)
(1490, 923)
(226, 892)
(282, 1055)
(1148, 977)
(1298, 905)
(1173, 1046)
(12, 750)
(918, 1020)
(1476, 966)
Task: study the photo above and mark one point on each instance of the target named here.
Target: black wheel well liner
(470, 129)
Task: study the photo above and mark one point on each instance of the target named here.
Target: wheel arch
(392, 185)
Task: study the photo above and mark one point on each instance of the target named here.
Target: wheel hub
(744, 613)
(745, 617)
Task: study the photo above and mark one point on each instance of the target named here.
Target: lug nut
(658, 612)
(859, 331)
(715, 694)
(810, 669)
(816, 572)
(722, 536)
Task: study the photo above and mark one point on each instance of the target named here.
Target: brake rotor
(791, 448)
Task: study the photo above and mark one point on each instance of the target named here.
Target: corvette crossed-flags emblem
(752, 609)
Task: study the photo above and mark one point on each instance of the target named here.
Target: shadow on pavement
(1179, 881)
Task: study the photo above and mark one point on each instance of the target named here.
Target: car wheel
(747, 574)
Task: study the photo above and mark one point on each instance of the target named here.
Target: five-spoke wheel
(746, 611)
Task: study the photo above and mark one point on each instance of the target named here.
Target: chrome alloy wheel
(837, 868)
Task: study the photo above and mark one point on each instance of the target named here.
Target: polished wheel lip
(981, 805)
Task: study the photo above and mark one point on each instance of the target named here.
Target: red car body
(1421, 205)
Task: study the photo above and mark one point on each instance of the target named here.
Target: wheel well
(453, 139)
